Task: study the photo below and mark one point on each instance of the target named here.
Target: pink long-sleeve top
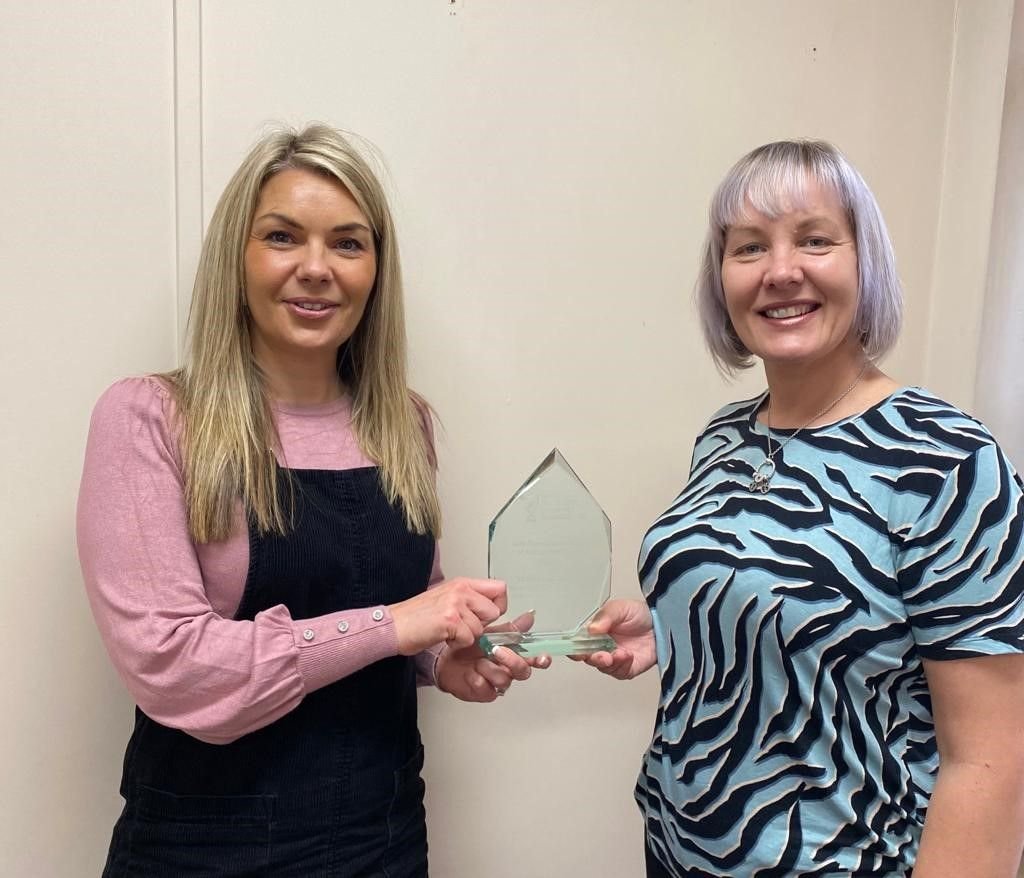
(165, 605)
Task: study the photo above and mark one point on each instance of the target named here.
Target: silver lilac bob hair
(772, 179)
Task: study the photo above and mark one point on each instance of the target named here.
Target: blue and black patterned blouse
(794, 734)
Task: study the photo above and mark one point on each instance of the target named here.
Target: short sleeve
(959, 559)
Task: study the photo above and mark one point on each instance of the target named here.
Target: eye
(817, 242)
(749, 250)
(348, 245)
(278, 236)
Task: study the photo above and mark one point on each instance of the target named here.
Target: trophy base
(554, 643)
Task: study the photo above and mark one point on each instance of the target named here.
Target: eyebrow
(288, 221)
(814, 220)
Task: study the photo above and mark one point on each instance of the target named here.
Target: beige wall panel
(86, 241)
(551, 165)
(1000, 379)
(972, 137)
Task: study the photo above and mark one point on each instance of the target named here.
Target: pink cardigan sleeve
(186, 666)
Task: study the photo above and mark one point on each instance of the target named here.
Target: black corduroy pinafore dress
(331, 789)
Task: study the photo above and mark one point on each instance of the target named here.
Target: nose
(783, 268)
(313, 268)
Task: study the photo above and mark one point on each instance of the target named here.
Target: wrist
(440, 659)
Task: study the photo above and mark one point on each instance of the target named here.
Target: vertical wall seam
(998, 383)
(970, 155)
(201, 169)
(188, 157)
(176, 334)
(943, 197)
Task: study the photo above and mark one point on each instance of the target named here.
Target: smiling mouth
(312, 306)
(788, 311)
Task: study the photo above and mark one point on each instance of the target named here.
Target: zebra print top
(794, 734)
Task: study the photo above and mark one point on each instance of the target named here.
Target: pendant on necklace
(763, 476)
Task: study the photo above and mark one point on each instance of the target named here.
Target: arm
(975, 822)
(961, 570)
(185, 665)
(426, 661)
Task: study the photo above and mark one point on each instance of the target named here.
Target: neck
(799, 395)
(300, 381)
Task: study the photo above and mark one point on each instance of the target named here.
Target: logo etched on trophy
(552, 545)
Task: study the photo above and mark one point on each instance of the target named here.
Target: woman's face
(791, 282)
(310, 264)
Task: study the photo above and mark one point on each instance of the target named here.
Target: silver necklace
(762, 479)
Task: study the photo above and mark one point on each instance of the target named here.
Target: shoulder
(148, 393)
(913, 398)
(727, 428)
(132, 409)
(734, 413)
(926, 418)
(939, 458)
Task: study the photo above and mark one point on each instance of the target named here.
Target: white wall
(1000, 379)
(86, 245)
(551, 165)
(971, 156)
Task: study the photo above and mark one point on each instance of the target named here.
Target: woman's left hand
(469, 675)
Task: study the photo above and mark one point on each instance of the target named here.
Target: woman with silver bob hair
(770, 179)
(257, 532)
(835, 601)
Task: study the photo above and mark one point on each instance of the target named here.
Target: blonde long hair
(227, 429)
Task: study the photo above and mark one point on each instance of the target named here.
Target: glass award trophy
(552, 545)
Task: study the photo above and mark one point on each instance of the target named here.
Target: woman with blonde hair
(835, 600)
(257, 536)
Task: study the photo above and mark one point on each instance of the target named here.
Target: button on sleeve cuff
(333, 646)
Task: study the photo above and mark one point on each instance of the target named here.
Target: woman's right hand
(630, 624)
(456, 611)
